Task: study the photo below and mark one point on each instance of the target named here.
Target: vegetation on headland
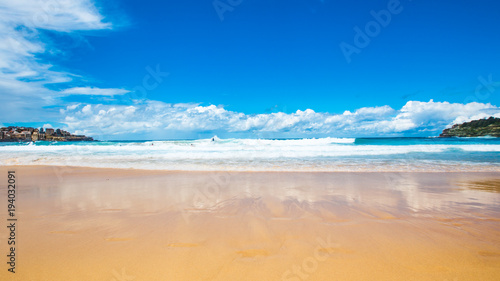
(475, 128)
(17, 134)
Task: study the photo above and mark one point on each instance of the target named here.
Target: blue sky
(250, 68)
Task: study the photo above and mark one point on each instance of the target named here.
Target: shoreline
(160, 171)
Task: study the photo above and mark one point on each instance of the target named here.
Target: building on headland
(18, 134)
(26, 134)
(35, 136)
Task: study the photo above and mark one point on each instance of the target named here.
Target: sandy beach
(117, 224)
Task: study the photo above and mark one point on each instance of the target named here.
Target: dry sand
(110, 224)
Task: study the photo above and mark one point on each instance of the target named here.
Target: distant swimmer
(213, 139)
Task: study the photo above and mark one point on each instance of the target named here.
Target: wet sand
(111, 224)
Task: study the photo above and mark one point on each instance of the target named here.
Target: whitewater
(213, 154)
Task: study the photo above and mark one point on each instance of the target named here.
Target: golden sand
(106, 224)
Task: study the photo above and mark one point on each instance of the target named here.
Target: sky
(249, 68)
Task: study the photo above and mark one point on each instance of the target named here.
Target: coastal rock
(20, 134)
(475, 128)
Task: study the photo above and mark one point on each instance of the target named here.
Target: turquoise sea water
(323, 154)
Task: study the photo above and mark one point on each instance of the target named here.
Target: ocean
(316, 154)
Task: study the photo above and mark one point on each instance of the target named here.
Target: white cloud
(427, 118)
(60, 15)
(87, 109)
(93, 91)
(23, 76)
(434, 114)
(73, 106)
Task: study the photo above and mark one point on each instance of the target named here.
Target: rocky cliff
(475, 128)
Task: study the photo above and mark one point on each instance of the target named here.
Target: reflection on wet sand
(485, 185)
(92, 223)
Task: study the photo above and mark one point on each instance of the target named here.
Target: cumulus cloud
(93, 91)
(414, 118)
(24, 77)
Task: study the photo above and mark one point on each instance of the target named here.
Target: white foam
(325, 154)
